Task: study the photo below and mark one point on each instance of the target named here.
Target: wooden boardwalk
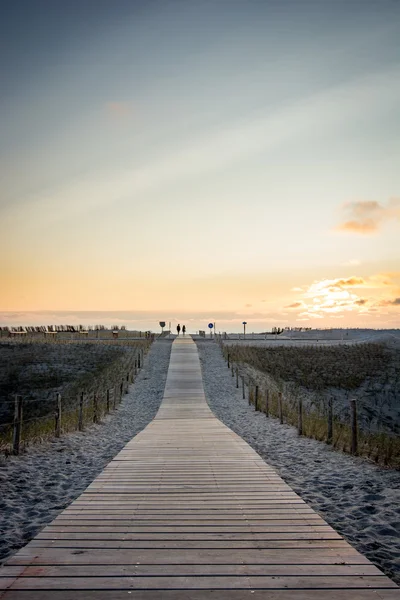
(187, 511)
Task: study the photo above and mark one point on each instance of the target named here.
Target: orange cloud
(365, 227)
(350, 281)
(394, 302)
(366, 217)
(295, 305)
(335, 297)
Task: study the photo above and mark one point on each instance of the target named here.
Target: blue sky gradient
(215, 140)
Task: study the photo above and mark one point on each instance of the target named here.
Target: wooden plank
(188, 510)
(243, 581)
(196, 594)
(134, 570)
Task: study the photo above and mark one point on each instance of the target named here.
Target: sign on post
(210, 325)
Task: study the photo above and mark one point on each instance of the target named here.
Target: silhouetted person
(178, 328)
(183, 329)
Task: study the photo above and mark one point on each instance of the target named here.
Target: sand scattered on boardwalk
(36, 486)
(359, 499)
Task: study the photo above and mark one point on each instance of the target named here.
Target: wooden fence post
(58, 416)
(80, 413)
(237, 377)
(135, 367)
(229, 366)
(330, 422)
(232, 371)
(17, 427)
(256, 399)
(300, 423)
(108, 401)
(121, 390)
(138, 360)
(353, 418)
(243, 389)
(115, 395)
(267, 403)
(95, 407)
(280, 408)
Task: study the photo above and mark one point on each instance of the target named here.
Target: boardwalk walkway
(187, 510)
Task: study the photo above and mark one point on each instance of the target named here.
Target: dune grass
(315, 375)
(38, 372)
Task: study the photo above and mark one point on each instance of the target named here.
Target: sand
(359, 499)
(36, 486)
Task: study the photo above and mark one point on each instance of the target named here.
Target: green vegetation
(317, 375)
(318, 368)
(93, 373)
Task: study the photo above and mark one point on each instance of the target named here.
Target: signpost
(244, 328)
(162, 325)
(210, 325)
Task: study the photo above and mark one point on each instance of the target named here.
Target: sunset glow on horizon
(201, 161)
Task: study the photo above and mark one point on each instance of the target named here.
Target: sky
(219, 160)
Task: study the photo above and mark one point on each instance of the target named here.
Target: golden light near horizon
(211, 166)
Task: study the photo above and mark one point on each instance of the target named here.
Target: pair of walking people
(178, 328)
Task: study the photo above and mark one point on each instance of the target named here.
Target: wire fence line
(69, 412)
(314, 415)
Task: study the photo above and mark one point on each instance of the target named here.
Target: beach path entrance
(187, 511)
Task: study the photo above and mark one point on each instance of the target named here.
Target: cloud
(394, 302)
(209, 152)
(118, 110)
(335, 297)
(295, 305)
(338, 298)
(353, 262)
(349, 282)
(367, 216)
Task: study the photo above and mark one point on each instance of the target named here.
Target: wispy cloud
(394, 302)
(366, 217)
(214, 149)
(335, 297)
(118, 110)
(295, 305)
(353, 262)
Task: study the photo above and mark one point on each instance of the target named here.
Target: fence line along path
(187, 510)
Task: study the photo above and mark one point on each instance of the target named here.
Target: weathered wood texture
(187, 510)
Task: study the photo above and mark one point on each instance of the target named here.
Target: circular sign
(210, 325)
(162, 323)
